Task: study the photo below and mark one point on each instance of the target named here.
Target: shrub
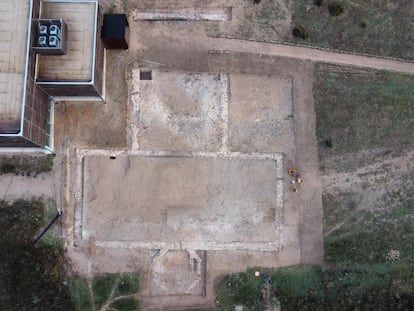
(318, 2)
(125, 304)
(7, 168)
(102, 287)
(127, 284)
(328, 143)
(335, 8)
(299, 32)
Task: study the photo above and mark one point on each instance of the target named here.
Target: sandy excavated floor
(181, 203)
(182, 174)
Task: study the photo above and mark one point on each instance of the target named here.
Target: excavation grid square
(206, 202)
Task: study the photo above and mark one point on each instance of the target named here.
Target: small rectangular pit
(145, 75)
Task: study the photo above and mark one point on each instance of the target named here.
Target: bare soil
(270, 110)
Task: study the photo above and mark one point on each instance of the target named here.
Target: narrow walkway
(312, 54)
(14, 187)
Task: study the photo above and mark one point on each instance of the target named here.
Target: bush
(80, 295)
(127, 284)
(125, 304)
(318, 2)
(335, 9)
(102, 287)
(328, 143)
(299, 32)
(7, 168)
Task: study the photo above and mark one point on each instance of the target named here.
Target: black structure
(115, 31)
(57, 215)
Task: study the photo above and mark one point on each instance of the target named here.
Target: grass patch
(377, 27)
(102, 288)
(113, 289)
(364, 111)
(127, 284)
(240, 289)
(80, 295)
(125, 304)
(31, 276)
(25, 165)
(366, 237)
(335, 288)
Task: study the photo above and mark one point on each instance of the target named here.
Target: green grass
(382, 286)
(128, 283)
(125, 304)
(26, 165)
(378, 27)
(80, 295)
(361, 112)
(241, 288)
(114, 289)
(102, 287)
(355, 235)
(31, 276)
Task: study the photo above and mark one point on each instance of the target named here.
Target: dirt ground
(173, 201)
(183, 177)
(206, 126)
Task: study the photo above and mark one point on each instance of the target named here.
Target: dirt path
(190, 49)
(312, 54)
(398, 165)
(22, 187)
(377, 186)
